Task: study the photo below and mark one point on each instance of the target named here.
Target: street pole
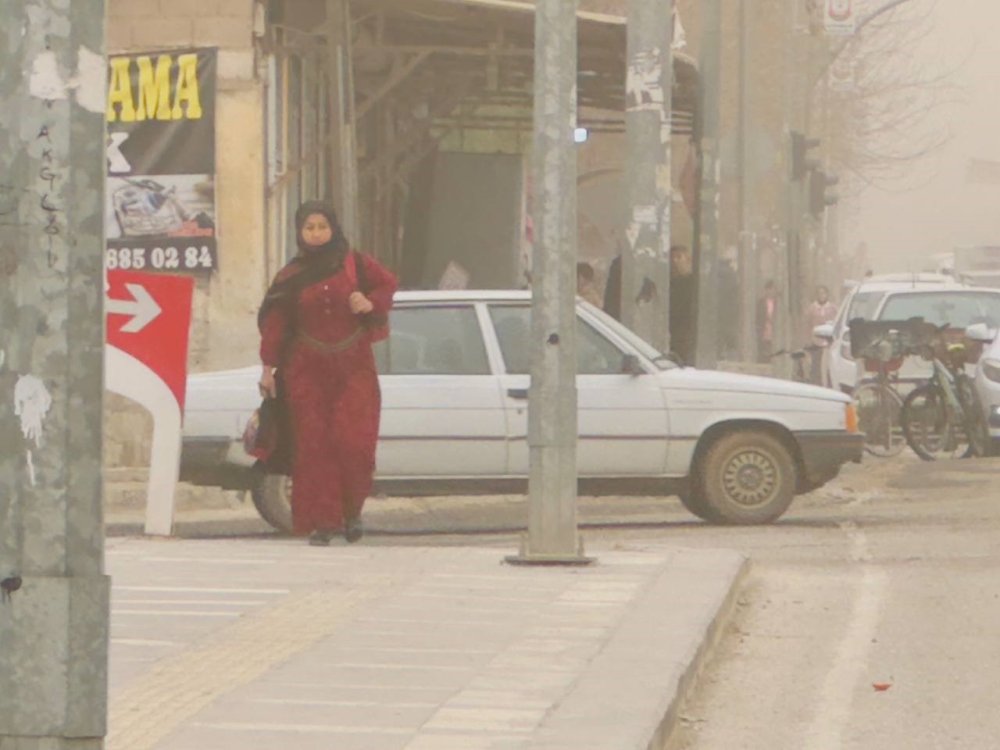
(747, 241)
(706, 258)
(648, 116)
(54, 596)
(789, 261)
(552, 422)
(343, 146)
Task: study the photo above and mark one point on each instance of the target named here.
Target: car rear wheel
(747, 477)
(272, 497)
(692, 502)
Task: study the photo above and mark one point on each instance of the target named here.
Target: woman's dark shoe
(353, 531)
(320, 538)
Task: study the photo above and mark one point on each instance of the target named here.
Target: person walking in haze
(683, 297)
(586, 285)
(820, 311)
(317, 324)
(767, 316)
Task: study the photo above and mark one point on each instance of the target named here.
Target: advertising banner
(160, 195)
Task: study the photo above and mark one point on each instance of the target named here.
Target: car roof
(463, 295)
(896, 281)
(944, 290)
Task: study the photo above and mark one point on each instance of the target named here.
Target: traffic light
(801, 163)
(819, 196)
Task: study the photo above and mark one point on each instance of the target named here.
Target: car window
(864, 305)
(433, 341)
(595, 355)
(957, 309)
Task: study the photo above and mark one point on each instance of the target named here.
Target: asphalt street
(869, 619)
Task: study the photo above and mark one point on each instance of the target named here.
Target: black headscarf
(311, 265)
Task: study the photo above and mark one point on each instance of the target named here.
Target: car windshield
(864, 305)
(957, 309)
(636, 341)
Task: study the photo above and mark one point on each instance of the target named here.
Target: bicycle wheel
(879, 408)
(975, 418)
(931, 427)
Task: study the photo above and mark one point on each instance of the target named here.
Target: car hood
(690, 378)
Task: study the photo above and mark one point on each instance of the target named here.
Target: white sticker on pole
(840, 17)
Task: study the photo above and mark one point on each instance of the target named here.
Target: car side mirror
(980, 332)
(632, 366)
(824, 331)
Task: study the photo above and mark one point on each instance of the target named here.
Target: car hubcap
(750, 478)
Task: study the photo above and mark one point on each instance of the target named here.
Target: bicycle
(799, 374)
(878, 404)
(944, 417)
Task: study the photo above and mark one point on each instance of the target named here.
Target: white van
(866, 300)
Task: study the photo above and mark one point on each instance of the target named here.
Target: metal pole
(54, 596)
(708, 211)
(552, 432)
(747, 258)
(344, 148)
(648, 169)
(788, 260)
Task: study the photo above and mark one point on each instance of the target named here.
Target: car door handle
(519, 393)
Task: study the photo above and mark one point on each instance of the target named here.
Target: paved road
(894, 582)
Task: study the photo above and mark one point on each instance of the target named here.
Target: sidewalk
(265, 643)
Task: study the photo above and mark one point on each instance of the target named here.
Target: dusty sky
(902, 226)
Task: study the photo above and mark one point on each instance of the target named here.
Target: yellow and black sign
(161, 161)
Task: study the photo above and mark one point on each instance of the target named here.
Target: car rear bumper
(824, 452)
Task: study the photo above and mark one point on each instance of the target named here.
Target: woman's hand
(359, 303)
(268, 387)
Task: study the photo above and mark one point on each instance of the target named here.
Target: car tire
(693, 503)
(747, 477)
(272, 497)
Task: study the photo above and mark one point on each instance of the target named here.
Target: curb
(653, 660)
(689, 678)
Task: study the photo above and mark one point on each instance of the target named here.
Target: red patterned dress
(331, 386)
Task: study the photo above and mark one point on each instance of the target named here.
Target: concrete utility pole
(648, 118)
(54, 596)
(748, 268)
(552, 424)
(343, 147)
(706, 258)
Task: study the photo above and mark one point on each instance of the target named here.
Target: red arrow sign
(149, 317)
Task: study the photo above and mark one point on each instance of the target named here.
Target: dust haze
(952, 197)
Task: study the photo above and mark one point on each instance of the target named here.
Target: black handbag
(268, 436)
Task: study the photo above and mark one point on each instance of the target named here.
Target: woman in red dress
(316, 324)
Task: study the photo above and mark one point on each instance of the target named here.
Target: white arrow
(142, 308)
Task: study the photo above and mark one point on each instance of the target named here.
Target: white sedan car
(454, 378)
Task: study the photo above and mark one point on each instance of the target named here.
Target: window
(864, 305)
(957, 309)
(595, 355)
(433, 341)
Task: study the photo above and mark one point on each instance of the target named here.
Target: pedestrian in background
(317, 323)
(767, 316)
(586, 284)
(820, 311)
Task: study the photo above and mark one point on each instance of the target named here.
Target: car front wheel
(272, 497)
(747, 477)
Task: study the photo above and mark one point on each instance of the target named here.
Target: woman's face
(317, 231)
